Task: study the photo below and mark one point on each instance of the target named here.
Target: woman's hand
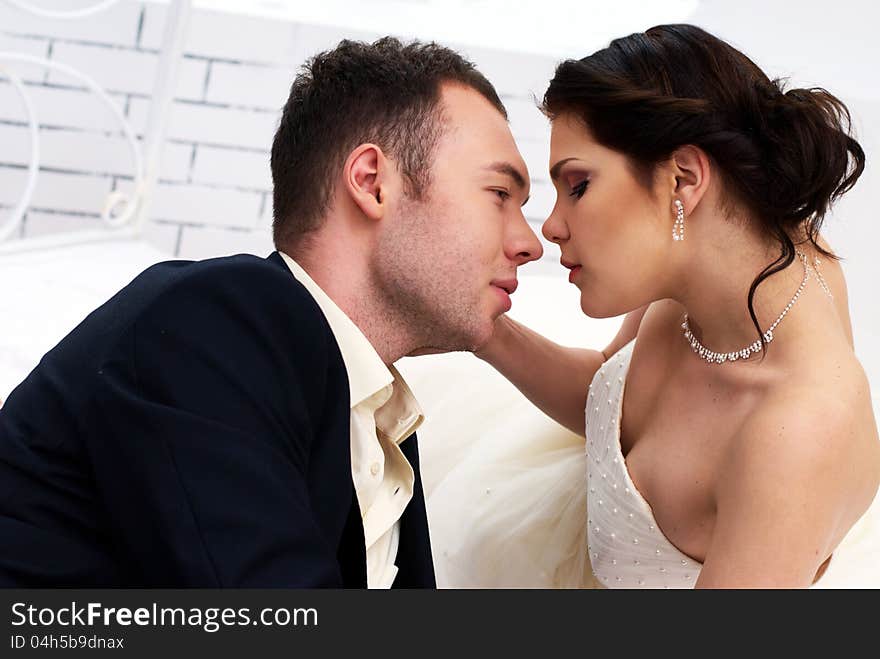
(494, 347)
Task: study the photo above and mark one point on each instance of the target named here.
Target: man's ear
(365, 179)
(690, 175)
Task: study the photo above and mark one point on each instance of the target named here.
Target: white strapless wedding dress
(539, 511)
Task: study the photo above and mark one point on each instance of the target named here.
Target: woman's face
(613, 232)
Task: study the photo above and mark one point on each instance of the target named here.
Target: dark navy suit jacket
(192, 432)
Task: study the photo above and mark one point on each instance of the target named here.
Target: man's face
(449, 261)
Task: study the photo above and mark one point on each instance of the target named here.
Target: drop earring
(678, 226)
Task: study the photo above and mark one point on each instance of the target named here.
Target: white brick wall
(254, 86)
(60, 107)
(78, 151)
(214, 195)
(163, 235)
(527, 121)
(120, 69)
(36, 46)
(226, 37)
(232, 167)
(117, 25)
(210, 206)
(41, 223)
(197, 243)
(195, 122)
(542, 196)
(217, 125)
(517, 75)
(70, 192)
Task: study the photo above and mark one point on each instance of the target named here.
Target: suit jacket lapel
(414, 559)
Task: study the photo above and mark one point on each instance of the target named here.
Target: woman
(731, 440)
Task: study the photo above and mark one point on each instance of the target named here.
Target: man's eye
(579, 190)
(502, 194)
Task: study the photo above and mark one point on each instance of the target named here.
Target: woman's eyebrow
(554, 171)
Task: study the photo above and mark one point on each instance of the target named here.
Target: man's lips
(505, 288)
(507, 285)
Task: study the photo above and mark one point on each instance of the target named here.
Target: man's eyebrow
(554, 171)
(508, 170)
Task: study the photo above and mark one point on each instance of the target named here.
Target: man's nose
(522, 243)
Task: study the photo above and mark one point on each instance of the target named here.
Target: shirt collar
(399, 414)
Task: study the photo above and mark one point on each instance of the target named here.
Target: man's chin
(482, 335)
(469, 341)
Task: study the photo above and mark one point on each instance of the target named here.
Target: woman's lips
(573, 267)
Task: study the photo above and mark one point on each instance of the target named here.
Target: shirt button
(374, 468)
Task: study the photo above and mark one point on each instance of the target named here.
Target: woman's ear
(691, 173)
(365, 177)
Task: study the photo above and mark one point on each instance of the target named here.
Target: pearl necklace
(720, 357)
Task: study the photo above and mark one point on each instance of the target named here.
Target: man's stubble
(422, 273)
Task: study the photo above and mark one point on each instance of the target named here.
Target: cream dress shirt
(384, 412)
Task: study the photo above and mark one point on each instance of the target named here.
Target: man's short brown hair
(386, 93)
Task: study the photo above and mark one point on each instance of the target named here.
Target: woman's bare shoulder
(797, 475)
(819, 438)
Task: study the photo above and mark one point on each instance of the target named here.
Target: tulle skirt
(506, 492)
(512, 512)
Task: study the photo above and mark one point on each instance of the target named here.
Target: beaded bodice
(627, 548)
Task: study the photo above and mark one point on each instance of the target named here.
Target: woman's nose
(555, 229)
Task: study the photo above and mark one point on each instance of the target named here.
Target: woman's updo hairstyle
(785, 156)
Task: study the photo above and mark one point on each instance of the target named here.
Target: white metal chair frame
(124, 216)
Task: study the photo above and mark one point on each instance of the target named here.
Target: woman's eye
(579, 189)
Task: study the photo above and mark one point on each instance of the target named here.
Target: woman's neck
(714, 285)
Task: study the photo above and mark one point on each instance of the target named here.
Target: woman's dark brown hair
(785, 156)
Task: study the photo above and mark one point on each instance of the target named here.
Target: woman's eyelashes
(579, 189)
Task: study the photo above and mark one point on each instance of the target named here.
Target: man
(237, 421)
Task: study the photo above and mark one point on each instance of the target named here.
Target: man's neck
(383, 327)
